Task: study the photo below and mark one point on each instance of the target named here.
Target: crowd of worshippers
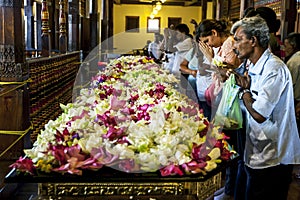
(267, 72)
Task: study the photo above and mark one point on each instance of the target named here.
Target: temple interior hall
(51, 49)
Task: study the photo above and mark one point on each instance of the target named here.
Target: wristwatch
(242, 92)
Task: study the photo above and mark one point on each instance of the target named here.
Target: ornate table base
(132, 190)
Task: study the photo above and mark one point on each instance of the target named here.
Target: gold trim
(202, 190)
(16, 83)
(20, 84)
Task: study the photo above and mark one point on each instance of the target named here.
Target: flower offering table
(133, 116)
(112, 184)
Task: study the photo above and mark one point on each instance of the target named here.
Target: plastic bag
(229, 114)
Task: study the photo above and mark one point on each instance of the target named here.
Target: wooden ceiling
(167, 2)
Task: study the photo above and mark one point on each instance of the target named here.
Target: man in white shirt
(272, 141)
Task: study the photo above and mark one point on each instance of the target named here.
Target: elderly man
(272, 142)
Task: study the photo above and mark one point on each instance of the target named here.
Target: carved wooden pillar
(107, 25)
(45, 29)
(219, 9)
(244, 5)
(214, 9)
(73, 29)
(84, 29)
(14, 101)
(95, 24)
(288, 17)
(204, 9)
(62, 27)
(30, 28)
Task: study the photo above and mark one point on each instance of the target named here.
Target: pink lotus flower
(114, 133)
(128, 165)
(194, 167)
(128, 111)
(106, 119)
(133, 98)
(24, 165)
(171, 170)
(199, 153)
(103, 156)
(116, 104)
(191, 111)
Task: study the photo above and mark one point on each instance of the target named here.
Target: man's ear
(253, 39)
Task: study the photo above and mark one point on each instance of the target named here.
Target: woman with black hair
(216, 34)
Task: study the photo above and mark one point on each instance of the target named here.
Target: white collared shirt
(182, 48)
(276, 140)
(155, 49)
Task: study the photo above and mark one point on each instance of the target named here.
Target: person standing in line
(189, 67)
(272, 142)
(168, 42)
(216, 34)
(146, 47)
(292, 52)
(182, 47)
(292, 60)
(180, 42)
(194, 65)
(154, 48)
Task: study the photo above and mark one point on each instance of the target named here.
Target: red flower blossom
(199, 153)
(171, 170)
(194, 167)
(24, 165)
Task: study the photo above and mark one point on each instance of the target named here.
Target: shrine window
(153, 25)
(174, 21)
(132, 23)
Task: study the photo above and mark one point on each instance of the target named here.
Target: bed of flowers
(131, 118)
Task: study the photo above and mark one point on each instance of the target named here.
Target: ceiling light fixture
(156, 6)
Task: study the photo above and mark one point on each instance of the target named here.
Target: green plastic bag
(229, 114)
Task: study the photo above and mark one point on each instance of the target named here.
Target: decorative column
(62, 27)
(219, 9)
(14, 98)
(107, 24)
(84, 29)
(30, 28)
(204, 9)
(288, 17)
(45, 29)
(73, 23)
(95, 24)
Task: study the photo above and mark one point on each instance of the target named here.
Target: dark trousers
(269, 183)
(241, 177)
(231, 170)
(206, 109)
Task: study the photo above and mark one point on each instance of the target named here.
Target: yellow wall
(124, 41)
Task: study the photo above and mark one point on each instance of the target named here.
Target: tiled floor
(29, 191)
